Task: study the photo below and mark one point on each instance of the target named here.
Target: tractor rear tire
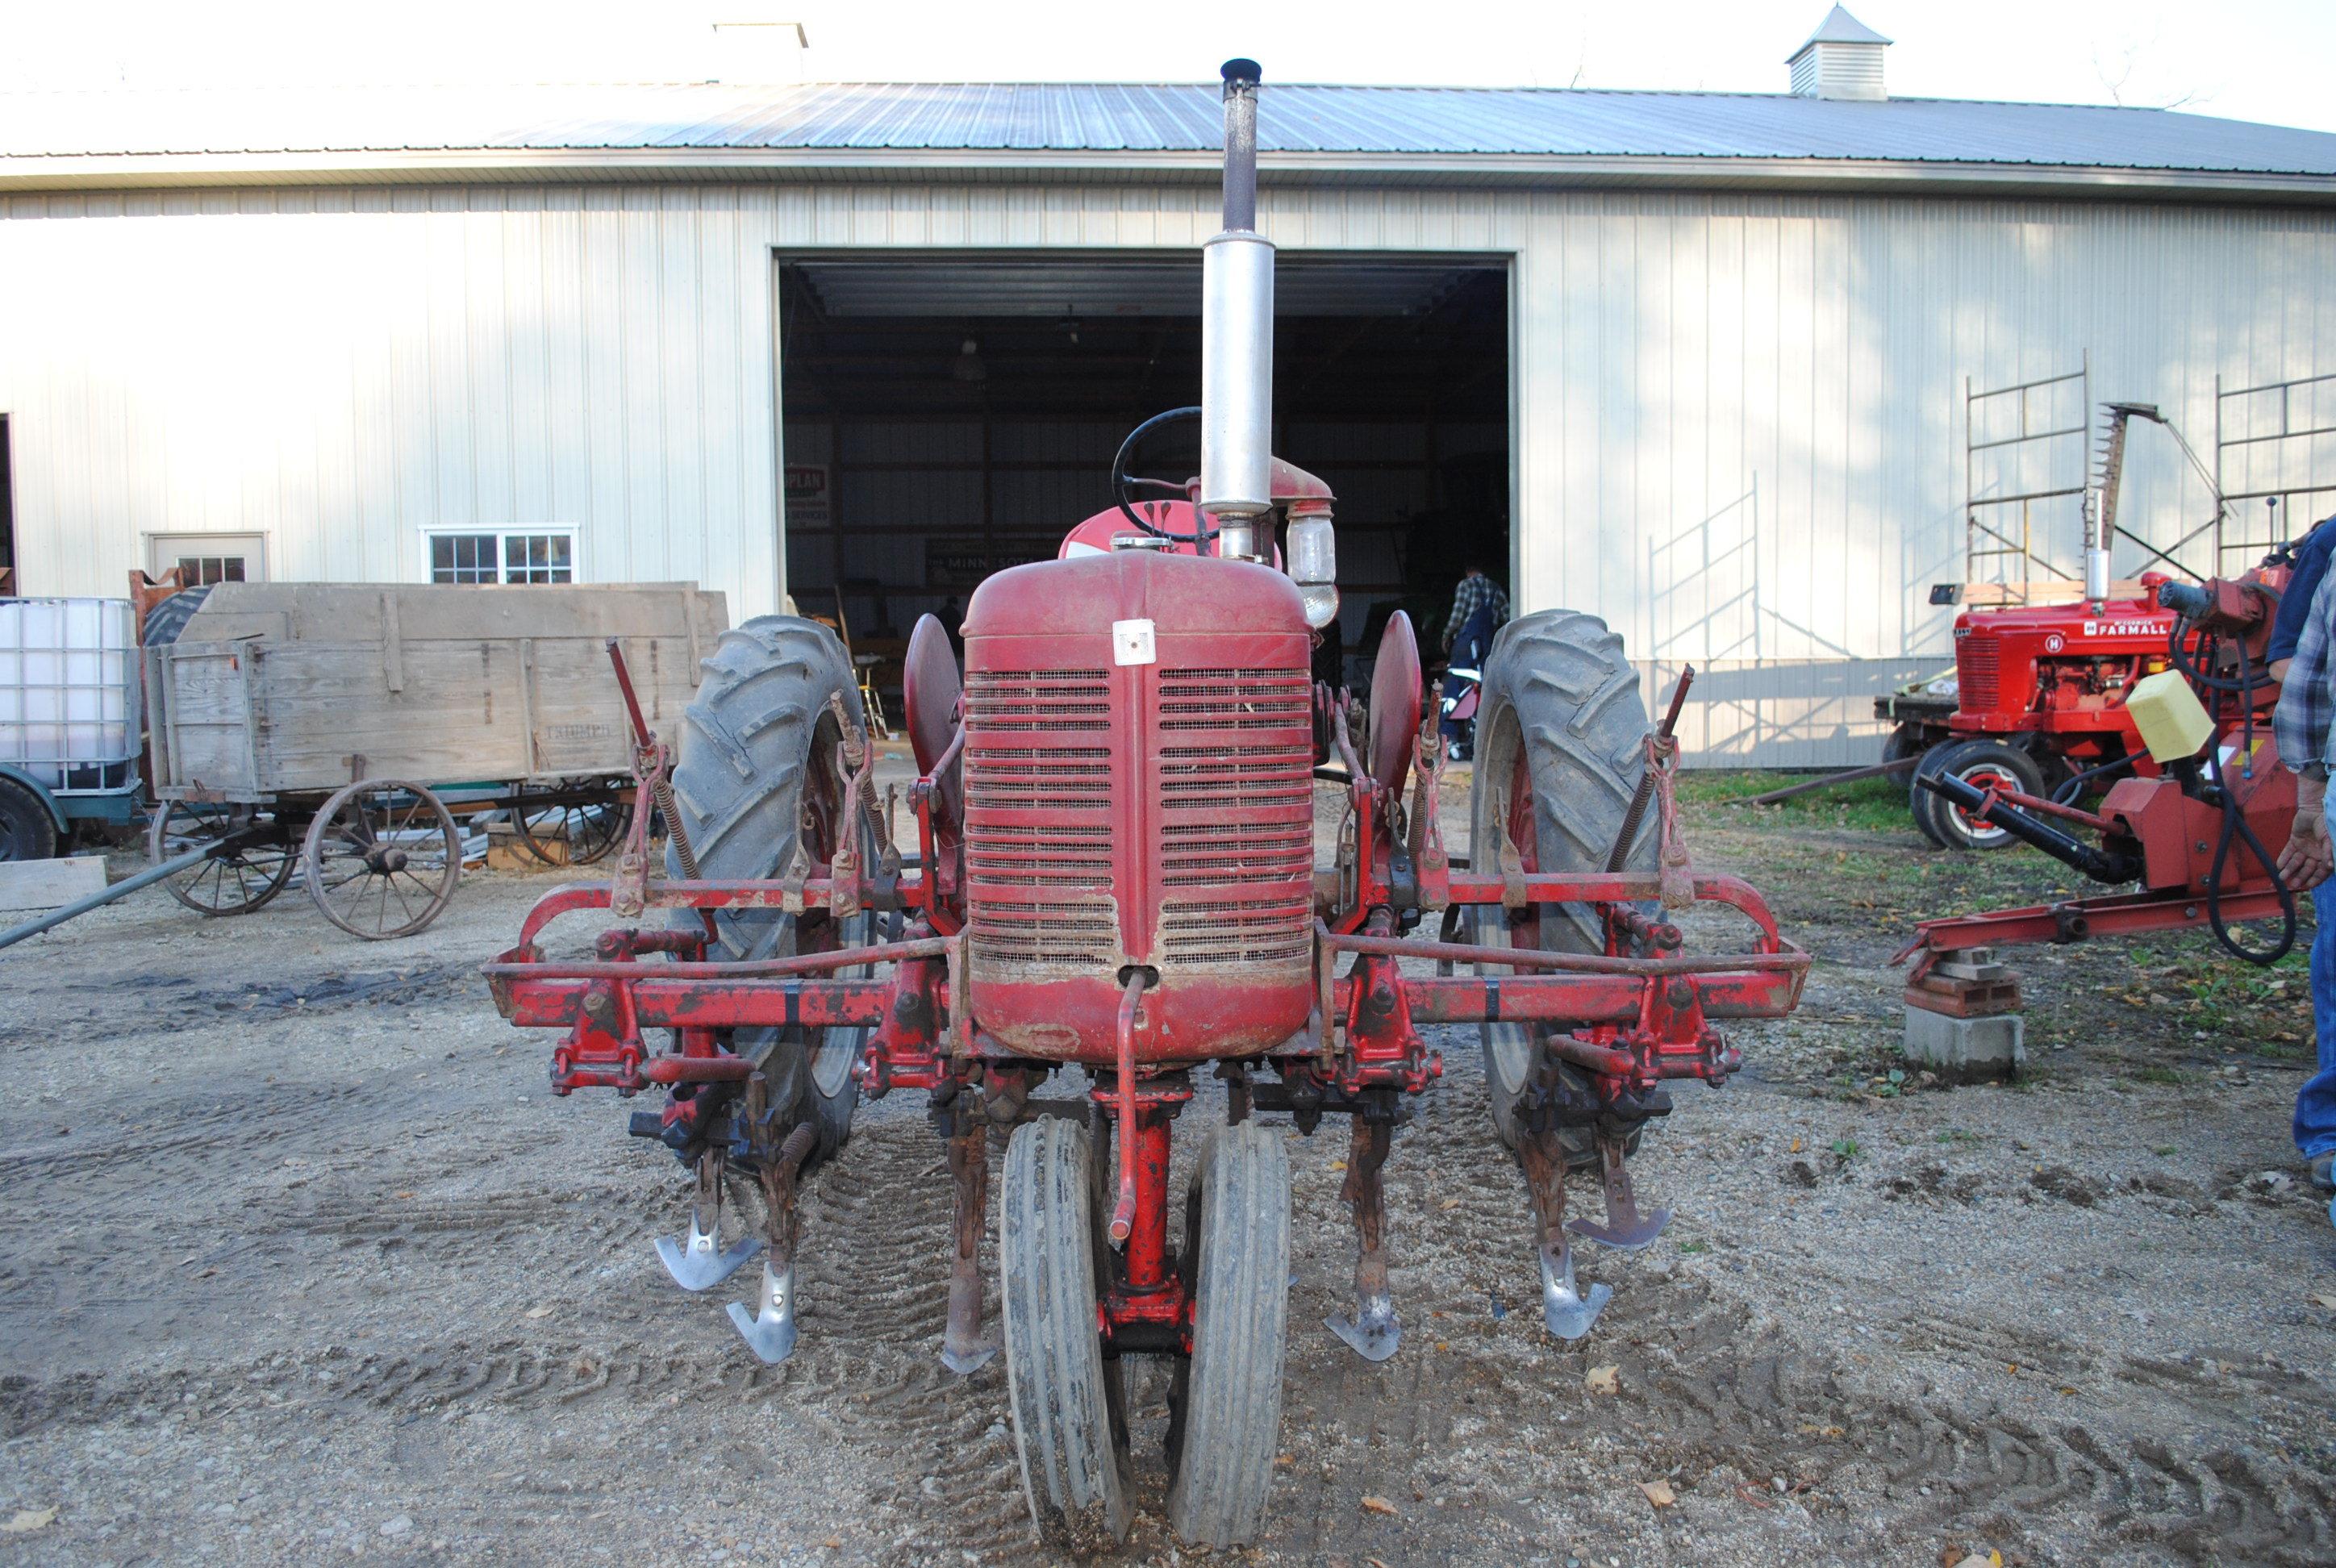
(27, 831)
(168, 616)
(1562, 716)
(1070, 1421)
(759, 745)
(1981, 762)
(1225, 1403)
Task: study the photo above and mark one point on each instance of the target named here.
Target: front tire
(1226, 1402)
(1979, 763)
(1070, 1423)
(1562, 734)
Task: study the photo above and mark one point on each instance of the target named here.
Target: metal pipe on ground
(122, 889)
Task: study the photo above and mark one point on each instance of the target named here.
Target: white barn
(1696, 362)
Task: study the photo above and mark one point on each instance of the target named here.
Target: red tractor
(2196, 839)
(1113, 890)
(2040, 690)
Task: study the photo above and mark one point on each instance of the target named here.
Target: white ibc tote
(69, 693)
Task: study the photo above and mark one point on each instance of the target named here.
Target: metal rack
(1993, 542)
(2317, 393)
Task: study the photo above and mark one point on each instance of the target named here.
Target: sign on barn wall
(962, 562)
(809, 501)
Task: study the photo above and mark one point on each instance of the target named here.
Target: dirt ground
(304, 1262)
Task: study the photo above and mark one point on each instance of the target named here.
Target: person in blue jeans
(2302, 656)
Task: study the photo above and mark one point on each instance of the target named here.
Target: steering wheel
(1124, 484)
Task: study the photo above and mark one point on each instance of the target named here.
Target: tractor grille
(1979, 673)
(1231, 804)
(1235, 809)
(1037, 836)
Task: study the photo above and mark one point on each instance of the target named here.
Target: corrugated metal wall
(1737, 414)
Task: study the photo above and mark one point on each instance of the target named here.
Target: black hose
(2073, 787)
(2234, 825)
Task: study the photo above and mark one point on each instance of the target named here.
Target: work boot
(2323, 1173)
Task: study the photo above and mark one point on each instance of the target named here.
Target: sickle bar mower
(1113, 871)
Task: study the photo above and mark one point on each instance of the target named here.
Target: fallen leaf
(1379, 1505)
(1450, 1203)
(25, 1521)
(538, 1311)
(401, 1195)
(2325, 1299)
(1374, 1563)
(1285, 1458)
(1602, 1380)
(833, 1543)
(1796, 1148)
(1951, 1555)
(1338, 1164)
(1658, 1493)
(1442, 1345)
(1752, 1495)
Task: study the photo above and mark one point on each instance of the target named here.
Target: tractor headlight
(1313, 547)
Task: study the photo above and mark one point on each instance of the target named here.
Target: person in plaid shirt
(1477, 593)
(2307, 703)
(1479, 609)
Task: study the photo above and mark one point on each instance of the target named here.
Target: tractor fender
(39, 793)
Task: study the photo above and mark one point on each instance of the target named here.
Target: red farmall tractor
(2040, 703)
(1113, 872)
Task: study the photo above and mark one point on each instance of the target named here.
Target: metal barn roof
(98, 138)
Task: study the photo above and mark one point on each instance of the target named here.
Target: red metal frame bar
(2075, 920)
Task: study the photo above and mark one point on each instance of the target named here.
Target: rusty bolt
(1682, 991)
(598, 1004)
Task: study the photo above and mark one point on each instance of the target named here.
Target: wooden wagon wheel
(588, 831)
(382, 859)
(232, 883)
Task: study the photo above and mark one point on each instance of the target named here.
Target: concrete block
(1967, 1051)
(50, 884)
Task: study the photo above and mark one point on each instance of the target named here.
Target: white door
(208, 558)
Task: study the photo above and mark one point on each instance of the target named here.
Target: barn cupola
(1842, 59)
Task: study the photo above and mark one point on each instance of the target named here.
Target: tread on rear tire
(1227, 1398)
(1558, 687)
(1070, 1425)
(749, 743)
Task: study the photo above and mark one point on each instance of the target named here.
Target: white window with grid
(534, 552)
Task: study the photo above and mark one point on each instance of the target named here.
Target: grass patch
(1869, 805)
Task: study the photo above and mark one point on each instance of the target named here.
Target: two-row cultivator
(1113, 868)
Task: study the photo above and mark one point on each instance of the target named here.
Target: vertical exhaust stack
(1237, 339)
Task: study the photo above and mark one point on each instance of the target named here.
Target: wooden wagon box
(280, 688)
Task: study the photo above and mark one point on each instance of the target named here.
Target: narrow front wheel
(1070, 1423)
(1225, 1406)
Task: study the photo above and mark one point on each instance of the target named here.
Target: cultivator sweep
(1113, 871)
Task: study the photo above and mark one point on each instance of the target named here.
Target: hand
(2306, 861)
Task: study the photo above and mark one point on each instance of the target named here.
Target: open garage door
(947, 416)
